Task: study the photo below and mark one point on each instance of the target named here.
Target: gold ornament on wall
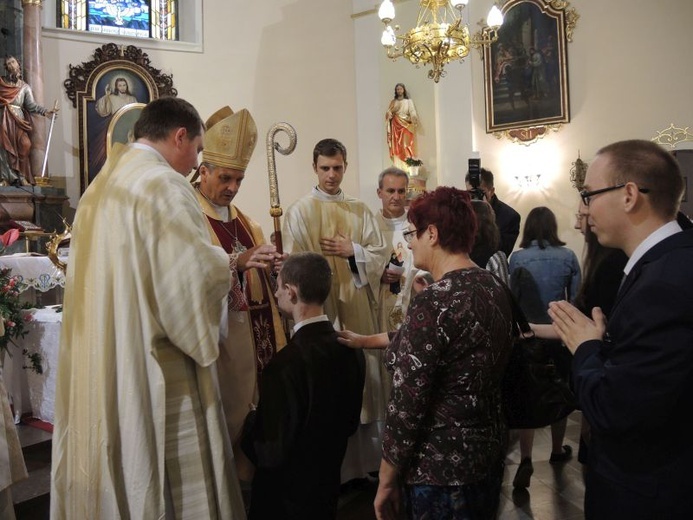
(578, 172)
(527, 136)
(672, 136)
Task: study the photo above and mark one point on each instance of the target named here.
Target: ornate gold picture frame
(103, 90)
(526, 70)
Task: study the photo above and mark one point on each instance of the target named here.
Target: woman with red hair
(445, 437)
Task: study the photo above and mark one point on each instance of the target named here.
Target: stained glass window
(156, 19)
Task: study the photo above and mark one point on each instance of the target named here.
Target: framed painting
(526, 70)
(109, 93)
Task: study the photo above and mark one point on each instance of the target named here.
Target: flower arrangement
(12, 317)
(411, 161)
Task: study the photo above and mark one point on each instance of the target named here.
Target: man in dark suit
(310, 403)
(507, 219)
(634, 376)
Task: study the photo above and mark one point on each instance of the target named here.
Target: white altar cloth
(31, 392)
(34, 271)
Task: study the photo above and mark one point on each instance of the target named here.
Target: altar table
(31, 392)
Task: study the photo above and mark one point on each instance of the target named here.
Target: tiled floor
(555, 493)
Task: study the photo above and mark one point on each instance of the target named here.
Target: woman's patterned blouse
(444, 420)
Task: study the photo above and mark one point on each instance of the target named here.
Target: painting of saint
(114, 100)
(526, 75)
(113, 90)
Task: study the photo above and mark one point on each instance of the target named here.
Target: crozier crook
(272, 145)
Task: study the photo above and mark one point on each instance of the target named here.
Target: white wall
(319, 65)
(624, 83)
(629, 76)
(273, 58)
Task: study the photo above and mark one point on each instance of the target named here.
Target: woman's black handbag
(534, 393)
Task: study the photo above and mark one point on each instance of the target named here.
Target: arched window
(156, 19)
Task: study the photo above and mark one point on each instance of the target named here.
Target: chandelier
(439, 36)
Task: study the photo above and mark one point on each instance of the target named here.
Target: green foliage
(13, 319)
(411, 161)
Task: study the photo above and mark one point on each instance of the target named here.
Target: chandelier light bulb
(440, 36)
(388, 39)
(386, 12)
(495, 17)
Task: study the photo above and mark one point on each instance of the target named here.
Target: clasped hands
(338, 245)
(573, 327)
(261, 256)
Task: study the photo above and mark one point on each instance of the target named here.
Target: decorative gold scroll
(57, 241)
(672, 136)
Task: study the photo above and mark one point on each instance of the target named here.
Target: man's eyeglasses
(587, 195)
(409, 235)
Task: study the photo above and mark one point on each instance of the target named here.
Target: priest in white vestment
(255, 328)
(139, 431)
(345, 231)
(398, 277)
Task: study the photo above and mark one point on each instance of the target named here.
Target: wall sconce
(528, 181)
(578, 172)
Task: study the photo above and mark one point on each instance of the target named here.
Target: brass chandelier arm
(439, 37)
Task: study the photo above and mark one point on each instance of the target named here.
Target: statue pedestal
(417, 182)
(38, 204)
(16, 204)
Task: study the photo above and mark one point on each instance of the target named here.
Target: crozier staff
(255, 328)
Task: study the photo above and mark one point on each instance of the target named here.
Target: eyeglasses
(587, 195)
(409, 235)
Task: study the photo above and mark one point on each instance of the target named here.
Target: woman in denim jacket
(542, 271)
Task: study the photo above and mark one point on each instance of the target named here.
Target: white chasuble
(137, 406)
(349, 307)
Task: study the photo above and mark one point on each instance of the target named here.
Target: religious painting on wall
(526, 69)
(109, 93)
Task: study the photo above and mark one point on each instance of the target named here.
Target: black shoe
(565, 455)
(524, 473)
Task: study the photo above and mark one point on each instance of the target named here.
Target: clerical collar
(316, 319)
(222, 211)
(321, 195)
(142, 146)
